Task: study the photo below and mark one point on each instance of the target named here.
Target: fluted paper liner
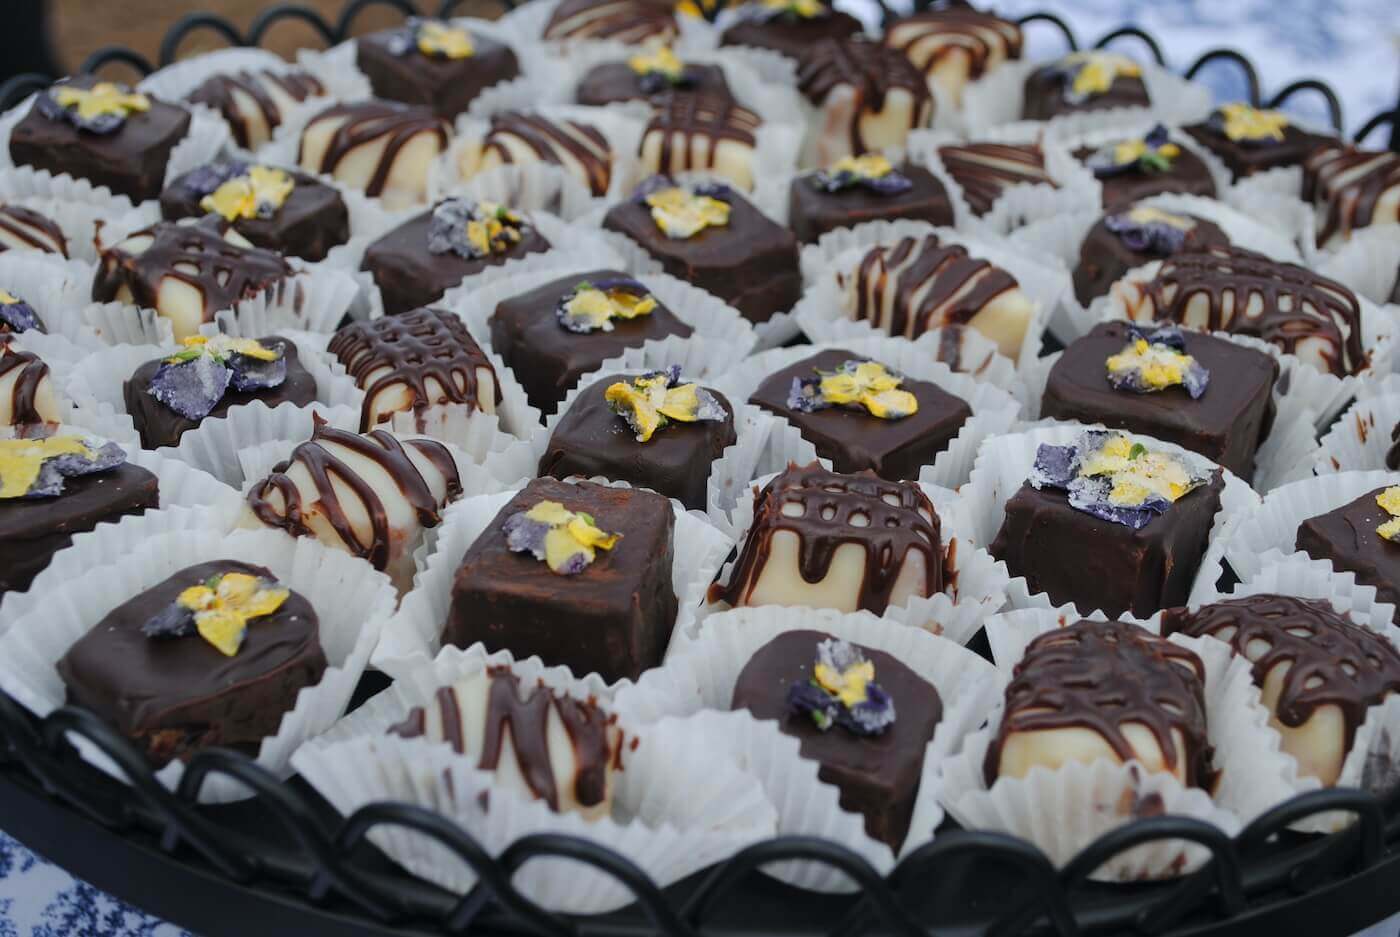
(1368, 264)
(58, 291)
(1361, 438)
(74, 205)
(351, 604)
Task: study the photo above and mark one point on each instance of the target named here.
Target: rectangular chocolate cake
(1347, 538)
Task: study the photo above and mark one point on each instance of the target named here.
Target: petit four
(870, 97)
(857, 189)
(1083, 81)
(434, 64)
(381, 147)
(254, 103)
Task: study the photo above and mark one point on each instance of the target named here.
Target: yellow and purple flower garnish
(34, 461)
(1145, 229)
(473, 230)
(433, 38)
(1114, 478)
(1093, 73)
(682, 212)
(1251, 126)
(871, 171)
(1389, 500)
(792, 9)
(1150, 154)
(16, 315)
(658, 70)
(567, 541)
(593, 306)
(255, 192)
(1155, 359)
(194, 379)
(842, 692)
(856, 385)
(101, 109)
(218, 610)
(653, 400)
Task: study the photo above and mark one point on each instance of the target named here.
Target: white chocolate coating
(948, 56)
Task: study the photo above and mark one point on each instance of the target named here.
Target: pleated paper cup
(1368, 265)
(58, 291)
(1005, 462)
(74, 205)
(698, 683)
(822, 312)
(1362, 437)
(351, 603)
(994, 411)
(414, 634)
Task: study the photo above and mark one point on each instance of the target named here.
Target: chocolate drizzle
(900, 519)
(625, 21)
(411, 349)
(956, 29)
(871, 71)
(367, 121)
(1332, 660)
(24, 394)
(934, 285)
(1102, 676)
(525, 721)
(31, 229)
(551, 141)
(681, 117)
(1352, 183)
(325, 468)
(1295, 305)
(219, 92)
(985, 170)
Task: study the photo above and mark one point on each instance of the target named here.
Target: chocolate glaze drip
(1332, 660)
(971, 27)
(1392, 456)
(415, 347)
(550, 142)
(1297, 304)
(942, 272)
(892, 531)
(24, 394)
(626, 21)
(872, 71)
(222, 272)
(1101, 676)
(366, 121)
(218, 93)
(682, 116)
(526, 720)
(33, 229)
(982, 171)
(1351, 202)
(324, 467)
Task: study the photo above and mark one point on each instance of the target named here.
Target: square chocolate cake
(1134, 168)
(788, 29)
(645, 76)
(847, 431)
(1083, 81)
(434, 64)
(1350, 539)
(1250, 140)
(857, 191)
(602, 604)
(1132, 236)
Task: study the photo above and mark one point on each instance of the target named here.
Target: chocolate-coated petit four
(955, 45)
(1239, 291)
(1104, 689)
(27, 391)
(520, 137)
(1131, 236)
(1202, 393)
(691, 131)
(420, 260)
(186, 271)
(627, 21)
(23, 229)
(858, 189)
(788, 27)
(1317, 671)
(102, 132)
(1108, 523)
(831, 540)
(986, 170)
(433, 64)
(281, 210)
(382, 147)
(712, 237)
(1249, 140)
(213, 656)
(578, 574)
(414, 361)
(646, 75)
(556, 333)
(53, 486)
(1361, 537)
(870, 97)
(169, 396)
(371, 496)
(537, 741)
(1135, 168)
(861, 714)
(861, 415)
(253, 103)
(916, 285)
(1083, 81)
(17, 316)
(653, 430)
(1351, 189)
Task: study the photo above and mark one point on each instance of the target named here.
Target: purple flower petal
(191, 388)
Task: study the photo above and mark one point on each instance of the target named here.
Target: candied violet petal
(173, 621)
(574, 565)
(20, 317)
(891, 183)
(525, 535)
(1054, 466)
(708, 408)
(1169, 334)
(713, 190)
(872, 716)
(1156, 137)
(191, 388)
(53, 472)
(206, 179)
(254, 374)
(805, 395)
(1197, 379)
(651, 185)
(807, 699)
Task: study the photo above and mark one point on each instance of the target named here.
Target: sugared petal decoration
(101, 109)
(16, 315)
(1155, 359)
(219, 610)
(1111, 477)
(1152, 153)
(842, 692)
(593, 306)
(652, 400)
(659, 69)
(1389, 500)
(432, 38)
(856, 385)
(1251, 126)
(259, 192)
(872, 172)
(565, 540)
(681, 212)
(193, 380)
(473, 230)
(35, 466)
(791, 9)
(1151, 230)
(1093, 73)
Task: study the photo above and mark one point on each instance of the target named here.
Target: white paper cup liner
(73, 205)
(1361, 438)
(1368, 264)
(415, 632)
(58, 291)
(350, 601)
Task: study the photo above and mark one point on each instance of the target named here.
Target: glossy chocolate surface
(1347, 538)
(812, 211)
(447, 86)
(1104, 256)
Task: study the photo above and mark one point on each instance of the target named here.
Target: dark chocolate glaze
(369, 120)
(418, 346)
(1245, 158)
(551, 142)
(1347, 538)
(612, 82)
(24, 394)
(446, 85)
(218, 92)
(626, 21)
(970, 27)
(812, 211)
(872, 71)
(1392, 455)
(981, 170)
(174, 696)
(1104, 258)
(1188, 175)
(21, 223)
(790, 35)
(1101, 676)
(1350, 203)
(224, 273)
(1332, 661)
(953, 273)
(1044, 94)
(681, 116)
(525, 721)
(893, 531)
(1297, 304)
(325, 467)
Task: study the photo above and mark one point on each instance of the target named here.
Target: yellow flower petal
(21, 460)
(550, 512)
(223, 628)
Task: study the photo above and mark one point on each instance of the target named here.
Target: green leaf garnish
(1138, 450)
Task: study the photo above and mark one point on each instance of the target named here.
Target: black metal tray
(283, 862)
